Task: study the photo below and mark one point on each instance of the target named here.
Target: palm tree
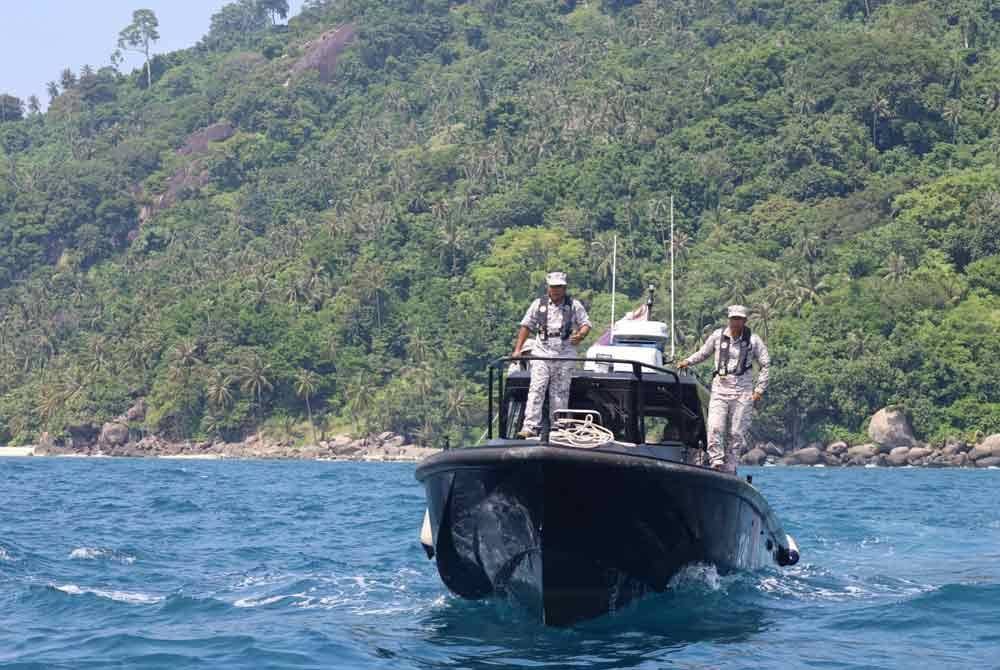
(763, 311)
(306, 383)
(217, 391)
(952, 113)
(602, 253)
(253, 375)
(737, 287)
(185, 358)
(50, 403)
(896, 268)
(880, 109)
(359, 394)
(857, 343)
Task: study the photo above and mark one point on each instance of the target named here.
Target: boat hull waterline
(572, 534)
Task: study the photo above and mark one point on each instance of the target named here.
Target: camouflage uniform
(731, 406)
(550, 374)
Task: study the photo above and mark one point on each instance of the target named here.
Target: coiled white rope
(580, 433)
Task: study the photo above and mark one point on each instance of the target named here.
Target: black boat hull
(573, 534)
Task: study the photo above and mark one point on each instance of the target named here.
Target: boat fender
(426, 537)
(789, 553)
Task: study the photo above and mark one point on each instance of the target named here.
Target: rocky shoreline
(383, 447)
(891, 444)
(951, 454)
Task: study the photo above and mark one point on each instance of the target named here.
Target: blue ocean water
(108, 563)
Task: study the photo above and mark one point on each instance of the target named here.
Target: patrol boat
(608, 504)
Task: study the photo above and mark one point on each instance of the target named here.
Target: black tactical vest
(746, 351)
(567, 322)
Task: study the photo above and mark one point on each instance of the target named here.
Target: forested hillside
(345, 217)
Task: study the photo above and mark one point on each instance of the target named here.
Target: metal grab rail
(636, 365)
(636, 377)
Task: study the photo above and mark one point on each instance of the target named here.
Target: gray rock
(917, 454)
(993, 442)
(755, 456)
(790, 459)
(988, 462)
(981, 451)
(954, 445)
(772, 449)
(898, 456)
(394, 442)
(891, 427)
(808, 456)
(960, 460)
(113, 434)
(863, 451)
(837, 448)
(831, 459)
(136, 412)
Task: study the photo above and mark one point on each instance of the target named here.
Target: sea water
(236, 564)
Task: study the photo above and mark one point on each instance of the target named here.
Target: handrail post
(489, 415)
(640, 401)
(503, 415)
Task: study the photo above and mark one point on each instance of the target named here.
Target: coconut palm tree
(763, 312)
(952, 113)
(218, 393)
(896, 268)
(306, 383)
(184, 357)
(254, 380)
(880, 109)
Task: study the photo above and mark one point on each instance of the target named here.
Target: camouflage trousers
(732, 415)
(553, 376)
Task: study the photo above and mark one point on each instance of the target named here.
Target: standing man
(733, 390)
(559, 323)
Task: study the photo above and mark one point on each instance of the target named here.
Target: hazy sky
(38, 38)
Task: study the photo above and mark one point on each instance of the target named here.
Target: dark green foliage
(357, 246)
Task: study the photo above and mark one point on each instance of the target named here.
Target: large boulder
(953, 445)
(898, 456)
(323, 53)
(988, 462)
(831, 459)
(136, 412)
(890, 427)
(862, 451)
(755, 456)
(917, 454)
(993, 442)
(113, 434)
(772, 449)
(837, 448)
(981, 451)
(809, 455)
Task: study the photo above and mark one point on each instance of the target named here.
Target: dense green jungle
(341, 220)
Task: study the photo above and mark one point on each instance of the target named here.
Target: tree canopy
(340, 220)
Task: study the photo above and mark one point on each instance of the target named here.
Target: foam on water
(100, 553)
(118, 596)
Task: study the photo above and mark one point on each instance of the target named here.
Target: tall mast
(672, 352)
(614, 270)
